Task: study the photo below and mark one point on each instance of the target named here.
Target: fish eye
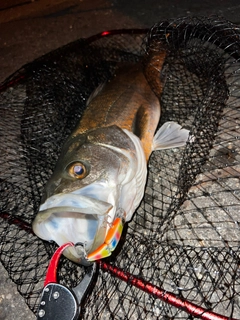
(77, 170)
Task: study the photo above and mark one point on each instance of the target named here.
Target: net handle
(161, 294)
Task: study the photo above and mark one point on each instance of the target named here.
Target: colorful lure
(112, 238)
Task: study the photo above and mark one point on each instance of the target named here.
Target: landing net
(184, 237)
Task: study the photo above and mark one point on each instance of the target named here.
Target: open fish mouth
(75, 218)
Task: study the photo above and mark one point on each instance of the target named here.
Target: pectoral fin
(170, 135)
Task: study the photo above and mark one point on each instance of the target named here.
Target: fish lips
(75, 218)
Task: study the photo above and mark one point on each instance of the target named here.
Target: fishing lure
(111, 241)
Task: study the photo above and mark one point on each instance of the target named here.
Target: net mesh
(184, 237)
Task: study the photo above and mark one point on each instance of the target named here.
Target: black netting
(184, 237)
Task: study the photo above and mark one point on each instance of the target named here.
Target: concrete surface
(29, 29)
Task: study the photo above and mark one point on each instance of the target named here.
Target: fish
(100, 176)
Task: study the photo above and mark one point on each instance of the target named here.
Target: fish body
(101, 173)
(128, 102)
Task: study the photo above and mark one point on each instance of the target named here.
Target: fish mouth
(73, 218)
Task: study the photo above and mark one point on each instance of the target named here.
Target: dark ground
(29, 29)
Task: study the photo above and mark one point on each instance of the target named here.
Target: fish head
(81, 199)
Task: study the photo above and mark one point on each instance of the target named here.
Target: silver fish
(101, 173)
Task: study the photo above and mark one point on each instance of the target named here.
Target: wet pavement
(29, 29)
